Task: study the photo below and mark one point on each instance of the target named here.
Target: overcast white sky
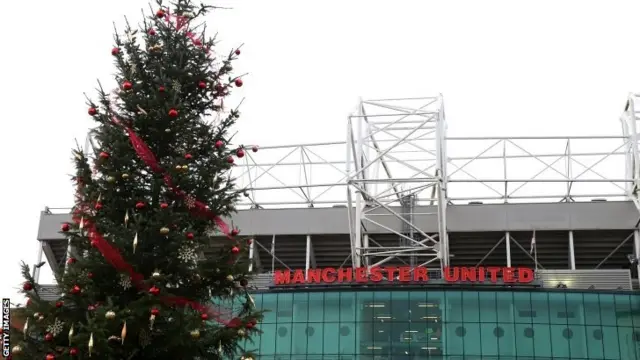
(504, 68)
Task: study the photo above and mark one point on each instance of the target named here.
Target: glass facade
(448, 324)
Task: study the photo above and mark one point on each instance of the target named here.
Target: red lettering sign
(462, 275)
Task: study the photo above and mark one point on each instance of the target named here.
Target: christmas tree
(141, 280)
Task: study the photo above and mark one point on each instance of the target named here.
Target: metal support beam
(51, 258)
(508, 247)
(572, 255)
(273, 253)
(636, 248)
(36, 269)
(254, 257)
(310, 259)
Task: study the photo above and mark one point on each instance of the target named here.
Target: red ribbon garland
(147, 156)
(183, 22)
(113, 256)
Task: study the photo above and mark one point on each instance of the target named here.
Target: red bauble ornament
(230, 160)
(219, 144)
(104, 155)
(59, 304)
(155, 312)
(139, 205)
(27, 286)
(48, 336)
(188, 156)
(197, 42)
(92, 111)
(161, 89)
(240, 153)
(91, 307)
(75, 289)
(50, 357)
(204, 316)
(28, 302)
(250, 325)
(160, 13)
(90, 275)
(249, 241)
(235, 250)
(254, 148)
(154, 290)
(202, 85)
(237, 51)
(173, 113)
(73, 351)
(64, 227)
(219, 88)
(235, 232)
(98, 206)
(71, 261)
(164, 206)
(127, 85)
(152, 32)
(115, 51)
(190, 236)
(94, 243)
(238, 82)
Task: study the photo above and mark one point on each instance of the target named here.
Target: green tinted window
(448, 324)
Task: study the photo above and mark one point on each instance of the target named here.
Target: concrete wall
(460, 218)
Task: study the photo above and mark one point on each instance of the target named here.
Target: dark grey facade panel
(460, 218)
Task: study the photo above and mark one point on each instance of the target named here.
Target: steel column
(572, 255)
(308, 254)
(508, 247)
(36, 269)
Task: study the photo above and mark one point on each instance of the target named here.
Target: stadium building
(421, 245)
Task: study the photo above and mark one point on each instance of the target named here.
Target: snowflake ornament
(56, 328)
(176, 86)
(144, 338)
(125, 281)
(187, 254)
(190, 201)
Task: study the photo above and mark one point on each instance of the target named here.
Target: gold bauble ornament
(125, 176)
(17, 350)
(241, 333)
(195, 333)
(41, 318)
(156, 274)
(229, 277)
(110, 315)
(111, 179)
(178, 167)
(167, 130)
(185, 167)
(164, 230)
(36, 315)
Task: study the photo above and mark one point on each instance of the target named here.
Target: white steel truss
(629, 121)
(396, 153)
